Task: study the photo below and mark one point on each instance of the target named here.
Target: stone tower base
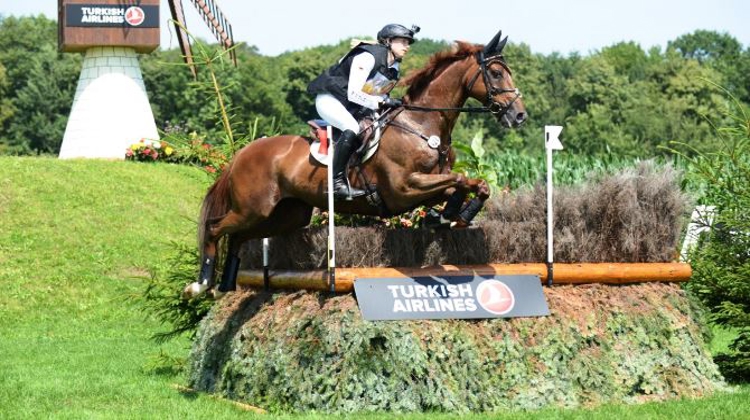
(111, 110)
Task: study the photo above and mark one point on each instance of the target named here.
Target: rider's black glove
(391, 103)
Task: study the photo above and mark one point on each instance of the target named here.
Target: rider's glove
(391, 103)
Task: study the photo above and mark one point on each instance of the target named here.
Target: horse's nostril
(520, 117)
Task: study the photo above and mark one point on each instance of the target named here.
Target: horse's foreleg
(472, 208)
(422, 187)
(453, 205)
(455, 210)
(450, 212)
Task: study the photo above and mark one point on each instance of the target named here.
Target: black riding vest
(335, 80)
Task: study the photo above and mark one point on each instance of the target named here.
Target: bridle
(493, 106)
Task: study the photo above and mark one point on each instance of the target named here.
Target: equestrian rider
(355, 87)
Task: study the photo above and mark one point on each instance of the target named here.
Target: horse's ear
(490, 47)
(501, 45)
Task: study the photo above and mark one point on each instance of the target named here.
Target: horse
(272, 185)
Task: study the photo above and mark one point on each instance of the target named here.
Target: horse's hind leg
(286, 216)
(214, 230)
(231, 265)
(206, 276)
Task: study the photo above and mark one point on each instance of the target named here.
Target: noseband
(495, 107)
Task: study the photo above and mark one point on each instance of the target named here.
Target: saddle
(370, 130)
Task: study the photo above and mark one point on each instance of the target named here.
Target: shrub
(162, 296)
(721, 262)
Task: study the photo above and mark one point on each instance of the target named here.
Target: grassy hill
(76, 238)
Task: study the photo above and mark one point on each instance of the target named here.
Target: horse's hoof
(216, 294)
(434, 220)
(460, 224)
(438, 226)
(194, 290)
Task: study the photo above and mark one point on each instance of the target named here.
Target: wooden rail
(580, 273)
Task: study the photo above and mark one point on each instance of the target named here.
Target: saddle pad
(325, 160)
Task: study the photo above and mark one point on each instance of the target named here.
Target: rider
(353, 88)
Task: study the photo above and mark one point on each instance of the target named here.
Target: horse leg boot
(205, 280)
(450, 212)
(231, 266)
(470, 211)
(342, 152)
(453, 207)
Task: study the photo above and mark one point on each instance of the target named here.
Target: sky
(583, 26)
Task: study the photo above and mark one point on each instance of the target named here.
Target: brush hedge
(636, 215)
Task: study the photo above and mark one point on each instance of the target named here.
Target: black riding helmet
(397, 31)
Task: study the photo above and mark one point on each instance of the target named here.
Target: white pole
(550, 217)
(266, 279)
(331, 227)
(551, 142)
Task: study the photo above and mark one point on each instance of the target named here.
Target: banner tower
(110, 110)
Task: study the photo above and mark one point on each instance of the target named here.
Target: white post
(266, 279)
(331, 227)
(700, 221)
(551, 142)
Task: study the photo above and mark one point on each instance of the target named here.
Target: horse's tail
(215, 205)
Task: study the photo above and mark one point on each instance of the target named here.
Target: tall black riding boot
(342, 151)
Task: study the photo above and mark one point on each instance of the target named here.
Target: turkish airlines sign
(106, 16)
(451, 297)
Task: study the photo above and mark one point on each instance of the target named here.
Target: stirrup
(348, 195)
(345, 191)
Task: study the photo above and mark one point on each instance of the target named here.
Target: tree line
(621, 100)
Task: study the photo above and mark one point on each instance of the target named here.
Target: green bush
(162, 296)
(721, 262)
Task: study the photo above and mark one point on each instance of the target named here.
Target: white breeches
(330, 109)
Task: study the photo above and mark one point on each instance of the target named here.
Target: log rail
(571, 273)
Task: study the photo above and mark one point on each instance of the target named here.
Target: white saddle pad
(372, 147)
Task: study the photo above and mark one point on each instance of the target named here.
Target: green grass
(75, 239)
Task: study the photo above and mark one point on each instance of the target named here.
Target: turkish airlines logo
(134, 16)
(495, 297)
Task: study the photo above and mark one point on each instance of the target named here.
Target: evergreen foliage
(721, 262)
(305, 351)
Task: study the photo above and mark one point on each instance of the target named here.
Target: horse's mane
(420, 79)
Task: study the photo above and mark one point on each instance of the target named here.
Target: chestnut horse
(273, 184)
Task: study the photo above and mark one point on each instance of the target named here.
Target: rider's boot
(342, 152)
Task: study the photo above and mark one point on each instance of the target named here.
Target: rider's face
(399, 46)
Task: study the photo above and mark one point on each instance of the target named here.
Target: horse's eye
(496, 73)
